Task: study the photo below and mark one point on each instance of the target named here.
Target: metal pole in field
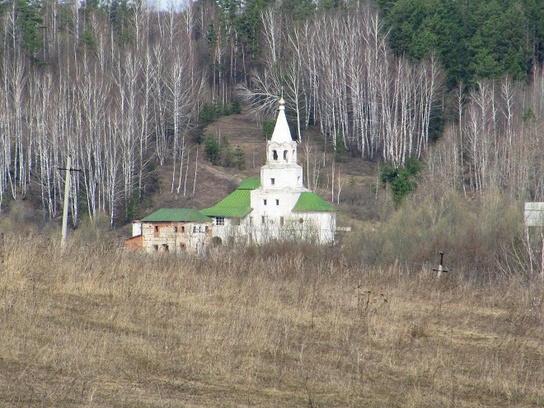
(67, 180)
(441, 269)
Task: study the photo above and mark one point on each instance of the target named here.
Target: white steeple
(281, 169)
(281, 133)
(281, 148)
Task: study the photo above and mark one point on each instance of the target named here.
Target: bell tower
(281, 169)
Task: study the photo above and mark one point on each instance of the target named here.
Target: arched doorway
(216, 241)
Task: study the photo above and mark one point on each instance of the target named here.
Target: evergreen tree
(477, 39)
(211, 149)
(30, 23)
(240, 158)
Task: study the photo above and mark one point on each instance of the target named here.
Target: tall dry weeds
(275, 326)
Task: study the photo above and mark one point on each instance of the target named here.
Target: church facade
(274, 207)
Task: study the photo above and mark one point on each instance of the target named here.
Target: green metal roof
(237, 203)
(312, 202)
(176, 215)
(250, 184)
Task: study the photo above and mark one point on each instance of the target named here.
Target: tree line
(122, 88)
(473, 40)
(117, 92)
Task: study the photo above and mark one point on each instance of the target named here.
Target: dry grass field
(276, 326)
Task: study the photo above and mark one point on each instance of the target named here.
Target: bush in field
(92, 231)
(402, 179)
(479, 237)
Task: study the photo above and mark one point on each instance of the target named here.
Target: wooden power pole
(67, 186)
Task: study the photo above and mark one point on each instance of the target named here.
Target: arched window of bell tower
(285, 155)
(274, 155)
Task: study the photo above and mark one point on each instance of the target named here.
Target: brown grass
(269, 327)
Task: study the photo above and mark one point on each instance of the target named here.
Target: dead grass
(271, 327)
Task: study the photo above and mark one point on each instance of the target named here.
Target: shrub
(225, 153)
(240, 158)
(340, 151)
(268, 129)
(402, 179)
(235, 107)
(206, 115)
(211, 149)
(481, 238)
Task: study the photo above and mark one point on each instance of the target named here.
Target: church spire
(281, 133)
(281, 169)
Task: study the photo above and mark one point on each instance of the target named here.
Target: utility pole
(67, 185)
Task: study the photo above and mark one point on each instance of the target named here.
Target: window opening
(165, 247)
(175, 229)
(219, 220)
(182, 229)
(263, 219)
(264, 201)
(274, 155)
(285, 155)
(282, 221)
(272, 181)
(277, 201)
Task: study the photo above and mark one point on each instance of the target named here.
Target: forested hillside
(124, 88)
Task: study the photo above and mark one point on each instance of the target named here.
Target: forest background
(446, 95)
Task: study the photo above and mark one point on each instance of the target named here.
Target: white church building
(276, 207)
